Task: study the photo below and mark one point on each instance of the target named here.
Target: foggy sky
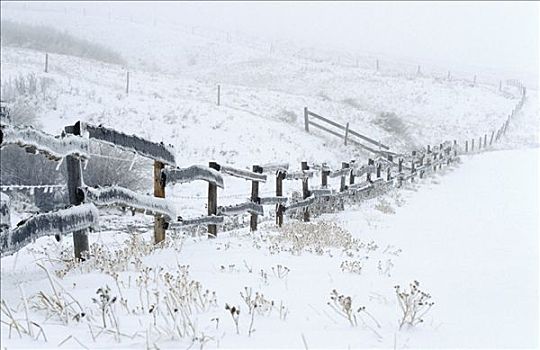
(493, 35)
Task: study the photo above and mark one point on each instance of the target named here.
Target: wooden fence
(357, 181)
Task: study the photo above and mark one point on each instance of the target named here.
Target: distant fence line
(379, 174)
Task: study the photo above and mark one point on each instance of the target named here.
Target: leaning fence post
(305, 190)
(159, 192)
(46, 62)
(212, 201)
(218, 94)
(255, 197)
(74, 181)
(491, 138)
(280, 175)
(306, 119)
(346, 133)
(343, 185)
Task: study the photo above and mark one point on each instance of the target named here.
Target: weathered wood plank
(243, 174)
(55, 148)
(123, 197)
(156, 151)
(60, 223)
(242, 208)
(192, 173)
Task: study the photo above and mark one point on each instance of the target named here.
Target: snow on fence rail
(59, 223)
(55, 148)
(123, 197)
(156, 151)
(192, 173)
(389, 169)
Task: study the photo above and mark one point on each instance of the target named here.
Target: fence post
(324, 176)
(212, 201)
(421, 174)
(46, 62)
(466, 146)
(351, 175)
(343, 186)
(159, 192)
(346, 133)
(378, 170)
(218, 94)
(255, 197)
(418, 70)
(474, 81)
(74, 181)
(485, 140)
(127, 82)
(480, 143)
(472, 144)
(306, 119)
(400, 171)
(371, 163)
(280, 175)
(305, 190)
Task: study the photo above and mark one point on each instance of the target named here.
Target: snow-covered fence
(59, 223)
(345, 128)
(33, 140)
(192, 173)
(5, 217)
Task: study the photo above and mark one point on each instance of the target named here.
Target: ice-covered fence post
(5, 215)
(218, 94)
(466, 146)
(378, 170)
(485, 140)
(255, 197)
(412, 166)
(441, 155)
(305, 190)
(388, 175)
(370, 163)
(472, 144)
(74, 181)
(421, 175)
(428, 149)
(212, 201)
(343, 184)
(127, 82)
(400, 171)
(480, 143)
(159, 192)
(280, 175)
(306, 119)
(491, 138)
(351, 176)
(346, 133)
(324, 176)
(46, 62)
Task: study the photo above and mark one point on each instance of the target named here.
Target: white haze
(492, 35)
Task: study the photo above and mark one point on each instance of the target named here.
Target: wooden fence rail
(381, 173)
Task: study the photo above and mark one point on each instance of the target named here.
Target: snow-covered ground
(469, 234)
(445, 232)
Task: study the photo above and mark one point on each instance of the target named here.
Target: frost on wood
(273, 200)
(123, 197)
(34, 140)
(273, 167)
(192, 173)
(249, 207)
(202, 220)
(301, 204)
(60, 222)
(299, 175)
(5, 204)
(340, 172)
(244, 174)
(132, 143)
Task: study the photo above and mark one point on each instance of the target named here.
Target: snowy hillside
(467, 233)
